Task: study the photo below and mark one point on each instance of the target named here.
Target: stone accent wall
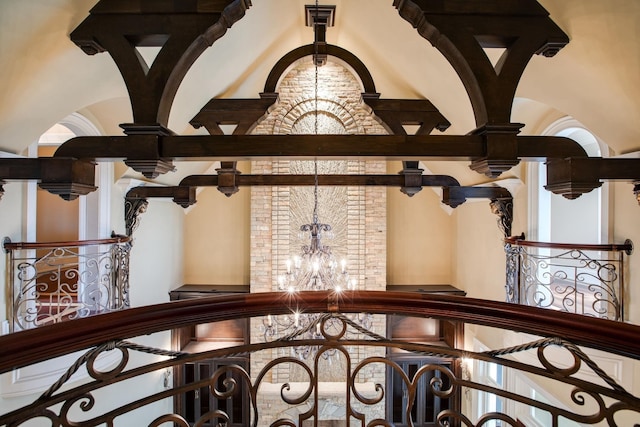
(337, 109)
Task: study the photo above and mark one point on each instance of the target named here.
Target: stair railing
(590, 396)
(576, 278)
(52, 282)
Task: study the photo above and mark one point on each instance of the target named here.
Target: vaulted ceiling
(45, 76)
(594, 78)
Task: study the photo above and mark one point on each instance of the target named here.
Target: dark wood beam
(460, 31)
(231, 185)
(183, 30)
(356, 64)
(573, 177)
(454, 196)
(243, 113)
(184, 194)
(339, 147)
(66, 177)
(398, 112)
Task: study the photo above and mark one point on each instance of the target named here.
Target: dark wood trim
(453, 194)
(626, 247)
(71, 243)
(354, 62)
(323, 180)
(460, 31)
(182, 31)
(37, 345)
(340, 147)
(572, 177)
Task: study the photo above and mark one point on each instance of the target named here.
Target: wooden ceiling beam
(462, 30)
(305, 147)
(184, 194)
(66, 177)
(183, 31)
(573, 177)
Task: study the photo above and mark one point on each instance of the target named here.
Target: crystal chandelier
(314, 269)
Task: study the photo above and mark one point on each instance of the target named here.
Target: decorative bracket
(133, 208)
(501, 152)
(146, 157)
(227, 181)
(66, 177)
(503, 207)
(412, 180)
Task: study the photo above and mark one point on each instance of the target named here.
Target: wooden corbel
(636, 190)
(66, 177)
(572, 177)
(227, 181)
(412, 180)
(146, 157)
(501, 149)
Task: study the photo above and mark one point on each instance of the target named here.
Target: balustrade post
(512, 271)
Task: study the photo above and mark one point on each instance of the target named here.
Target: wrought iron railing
(442, 379)
(582, 279)
(58, 281)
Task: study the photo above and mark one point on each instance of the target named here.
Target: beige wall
(156, 264)
(419, 238)
(216, 239)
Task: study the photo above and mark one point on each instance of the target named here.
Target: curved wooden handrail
(11, 246)
(40, 344)
(627, 246)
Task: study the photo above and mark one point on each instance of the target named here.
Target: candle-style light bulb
(343, 264)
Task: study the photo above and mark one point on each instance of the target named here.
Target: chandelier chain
(315, 124)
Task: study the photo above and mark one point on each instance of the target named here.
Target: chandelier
(315, 268)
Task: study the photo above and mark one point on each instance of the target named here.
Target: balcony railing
(58, 281)
(584, 392)
(582, 279)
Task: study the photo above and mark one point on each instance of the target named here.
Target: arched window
(552, 218)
